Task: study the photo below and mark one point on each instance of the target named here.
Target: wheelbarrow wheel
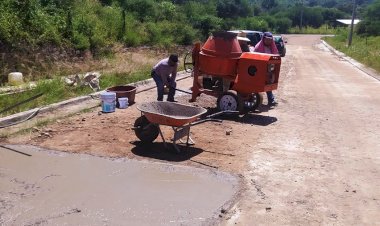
(228, 101)
(146, 131)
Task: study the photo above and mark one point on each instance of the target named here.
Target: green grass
(364, 50)
(56, 90)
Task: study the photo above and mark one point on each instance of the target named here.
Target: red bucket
(124, 91)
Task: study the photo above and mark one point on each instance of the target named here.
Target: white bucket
(108, 101)
(123, 102)
(15, 78)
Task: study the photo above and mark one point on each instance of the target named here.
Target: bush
(253, 23)
(184, 34)
(364, 50)
(207, 24)
(80, 41)
(161, 33)
(135, 33)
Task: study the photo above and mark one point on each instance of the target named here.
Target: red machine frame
(244, 74)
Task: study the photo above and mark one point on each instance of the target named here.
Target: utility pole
(301, 17)
(352, 24)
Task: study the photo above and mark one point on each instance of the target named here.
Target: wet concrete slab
(55, 188)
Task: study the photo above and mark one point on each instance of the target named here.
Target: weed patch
(363, 49)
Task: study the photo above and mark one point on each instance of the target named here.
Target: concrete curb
(369, 71)
(142, 86)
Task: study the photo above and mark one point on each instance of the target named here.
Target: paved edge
(369, 71)
(148, 84)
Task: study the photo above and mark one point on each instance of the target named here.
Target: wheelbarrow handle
(205, 120)
(227, 112)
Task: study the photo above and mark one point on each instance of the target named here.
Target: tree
(268, 4)
(282, 25)
(329, 4)
(233, 8)
(166, 10)
(370, 25)
(142, 9)
(207, 24)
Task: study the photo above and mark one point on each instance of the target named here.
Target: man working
(164, 73)
(267, 45)
(243, 42)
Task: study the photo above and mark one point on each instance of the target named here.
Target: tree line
(98, 24)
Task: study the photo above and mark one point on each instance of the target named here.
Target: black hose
(22, 102)
(28, 118)
(183, 91)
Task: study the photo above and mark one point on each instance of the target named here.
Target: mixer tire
(228, 101)
(257, 99)
(146, 131)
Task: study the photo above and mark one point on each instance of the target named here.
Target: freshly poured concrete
(53, 188)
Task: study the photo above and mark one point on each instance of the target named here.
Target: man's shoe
(273, 103)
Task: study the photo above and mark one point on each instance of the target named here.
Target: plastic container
(108, 101)
(15, 78)
(123, 102)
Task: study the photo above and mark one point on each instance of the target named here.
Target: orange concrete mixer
(236, 78)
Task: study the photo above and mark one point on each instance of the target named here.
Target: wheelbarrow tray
(169, 113)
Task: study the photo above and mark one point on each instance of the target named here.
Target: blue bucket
(108, 101)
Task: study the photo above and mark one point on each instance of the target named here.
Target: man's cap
(173, 58)
(267, 34)
(242, 36)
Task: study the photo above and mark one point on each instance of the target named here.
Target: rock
(46, 134)
(228, 132)
(35, 129)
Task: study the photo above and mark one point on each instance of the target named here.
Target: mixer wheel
(255, 100)
(146, 131)
(228, 101)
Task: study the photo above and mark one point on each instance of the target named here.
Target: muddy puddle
(54, 188)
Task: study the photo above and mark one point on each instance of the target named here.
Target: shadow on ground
(252, 118)
(158, 151)
(259, 120)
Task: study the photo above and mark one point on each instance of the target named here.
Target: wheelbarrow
(178, 116)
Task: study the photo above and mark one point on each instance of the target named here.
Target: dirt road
(314, 159)
(319, 163)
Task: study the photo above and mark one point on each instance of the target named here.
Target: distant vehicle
(253, 36)
(280, 44)
(256, 36)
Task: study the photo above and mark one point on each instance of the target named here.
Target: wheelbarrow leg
(176, 147)
(162, 137)
(179, 133)
(189, 141)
